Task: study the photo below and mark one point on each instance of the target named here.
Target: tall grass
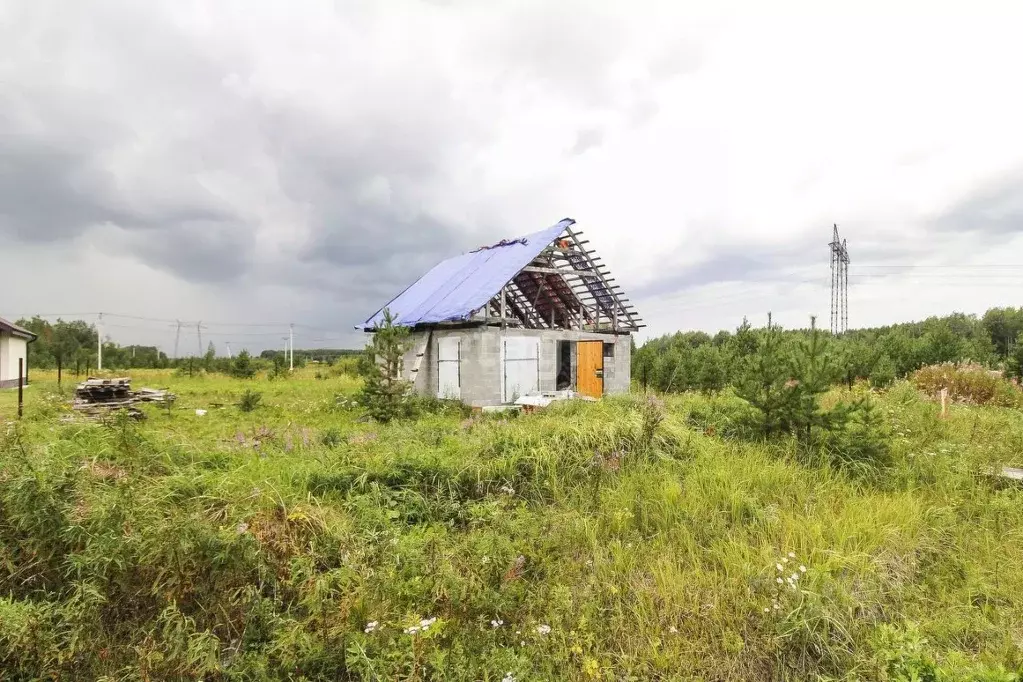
(617, 540)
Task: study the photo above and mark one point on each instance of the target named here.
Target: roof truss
(564, 287)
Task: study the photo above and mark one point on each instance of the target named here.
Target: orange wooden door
(589, 378)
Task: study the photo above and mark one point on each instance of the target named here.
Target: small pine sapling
(384, 393)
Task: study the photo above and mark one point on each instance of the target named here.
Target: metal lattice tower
(839, 283)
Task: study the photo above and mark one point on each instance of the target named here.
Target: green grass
(178, 548)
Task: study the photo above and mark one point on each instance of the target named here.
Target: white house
(13, 348)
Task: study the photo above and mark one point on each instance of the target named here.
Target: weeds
(571, 544)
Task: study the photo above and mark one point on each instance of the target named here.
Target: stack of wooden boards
(97, 397)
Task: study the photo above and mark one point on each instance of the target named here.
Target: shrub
(249, 401)
(279, 369)
(418, 405)
(242, 367)
(968, 383)
(1014, 365)
(860, 445)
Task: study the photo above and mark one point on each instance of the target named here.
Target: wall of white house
(12, 348)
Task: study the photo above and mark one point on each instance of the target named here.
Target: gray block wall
(480, 367)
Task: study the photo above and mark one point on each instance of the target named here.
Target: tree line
(686, 361)
(73, 346)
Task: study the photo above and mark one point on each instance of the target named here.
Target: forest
(687, 361)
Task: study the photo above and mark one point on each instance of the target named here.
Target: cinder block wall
(480, 367)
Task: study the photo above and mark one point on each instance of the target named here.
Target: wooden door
(590, 368)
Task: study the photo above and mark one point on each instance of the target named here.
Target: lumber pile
(98, 397)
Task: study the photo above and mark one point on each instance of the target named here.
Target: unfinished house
(520, 317)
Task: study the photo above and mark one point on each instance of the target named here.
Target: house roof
(458, 287)
(15, 330)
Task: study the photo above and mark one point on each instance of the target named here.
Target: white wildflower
(802, 569)
(508, 677)
(779, 581)
(544, 629)
(507, 489)
(371, 626)
(674, 630)
(496, 623)
(776, 606)
(778, 566)
(795, 577)
(767, 610)
(792, 555)
(425, 624)
(412, 630)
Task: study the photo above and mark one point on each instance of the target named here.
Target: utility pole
(291, 343)
(839, 283)
(99, 343)
(177, 337)
(198, 331)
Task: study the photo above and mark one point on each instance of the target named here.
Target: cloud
(587, 139)
(255, 161)
(994, 210)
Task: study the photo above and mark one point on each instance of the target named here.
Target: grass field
(298, 542)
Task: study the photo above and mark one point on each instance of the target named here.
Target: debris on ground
(534, 401)
(98, 397)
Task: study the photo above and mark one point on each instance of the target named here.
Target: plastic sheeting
(454, 288)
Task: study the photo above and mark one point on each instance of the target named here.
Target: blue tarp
(454, 288)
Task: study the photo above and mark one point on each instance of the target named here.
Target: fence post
(21, 373)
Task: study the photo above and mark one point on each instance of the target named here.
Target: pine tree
(813, 370)
(210, 357)
(384, 392)
(242, 368)
(766, 382)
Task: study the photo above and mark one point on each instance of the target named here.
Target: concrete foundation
(482, 367)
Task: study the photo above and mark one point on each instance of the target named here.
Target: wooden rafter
(565, 286)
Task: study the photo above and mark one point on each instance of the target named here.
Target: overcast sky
(265, 162)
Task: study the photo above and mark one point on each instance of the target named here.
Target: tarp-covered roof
(458, 286)
(16, 330)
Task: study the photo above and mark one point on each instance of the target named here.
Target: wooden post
(59, 363)
(504, 308)
(944, 403)
(21, 373)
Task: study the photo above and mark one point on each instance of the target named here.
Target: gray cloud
(174, 143)
(995, 210)
(585, 140)
(803, 258)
